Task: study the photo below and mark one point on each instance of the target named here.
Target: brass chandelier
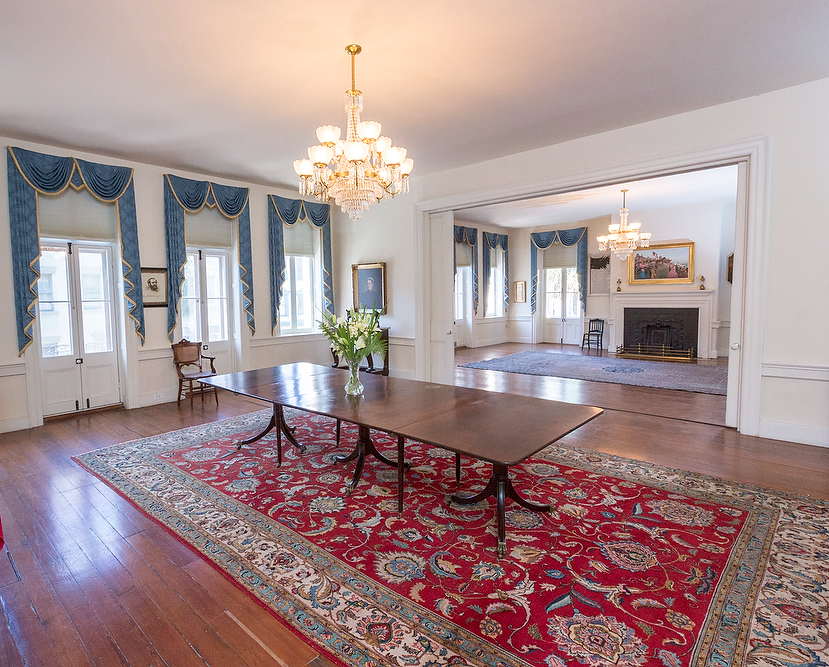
(623, 238)
(359, 171)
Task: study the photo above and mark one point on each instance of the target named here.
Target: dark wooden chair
(191, 368)
(594, 333)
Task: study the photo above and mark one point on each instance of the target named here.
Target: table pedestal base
(501, 487)
(277, 421)
(364, 447)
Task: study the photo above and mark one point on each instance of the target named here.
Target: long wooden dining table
(502, 429)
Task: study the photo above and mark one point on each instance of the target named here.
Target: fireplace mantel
(701, 299)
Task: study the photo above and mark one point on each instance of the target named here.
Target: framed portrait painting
(662, 264)
(154, 287)
(369, 285)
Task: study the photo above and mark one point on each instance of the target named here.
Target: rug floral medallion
(636, 564)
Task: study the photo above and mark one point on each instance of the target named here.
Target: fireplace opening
(661, 333)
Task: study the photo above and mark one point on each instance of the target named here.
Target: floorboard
(101, 584)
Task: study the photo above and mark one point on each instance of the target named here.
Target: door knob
(735, 346)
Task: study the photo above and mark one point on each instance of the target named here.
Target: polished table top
(495, 427)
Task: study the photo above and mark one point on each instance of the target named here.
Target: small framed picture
(599, 271)
(662, 264)
(154, 287)
(519, 291)
(369, 285)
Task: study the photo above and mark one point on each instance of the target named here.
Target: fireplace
(702, 302)
(661, 332)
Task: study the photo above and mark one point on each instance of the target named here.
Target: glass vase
(354, 387)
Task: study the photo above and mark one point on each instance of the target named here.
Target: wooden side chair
(191, 369)
(594, 333)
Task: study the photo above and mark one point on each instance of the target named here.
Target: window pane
(573, 301)
(304, 293)
(190, 320)
(96, 307)
(216, 278)
(286, 322)
(97, 333)
(93, 275)
(190, 316)
(553, 292)
(56, 331)
(189, 287)
(54, 314)
(216, 319)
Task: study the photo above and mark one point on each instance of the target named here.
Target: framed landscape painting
(662, 264)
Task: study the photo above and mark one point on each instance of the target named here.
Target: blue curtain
(566, 237)
(469, 236)
(288, 212)
(184, 194)
(492, 241)
(30, 174)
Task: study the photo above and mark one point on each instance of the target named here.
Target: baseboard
(807, 435)
(16, 424)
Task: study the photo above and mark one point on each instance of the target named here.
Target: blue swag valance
(283, 211)
(492, 241)
(469, 236)
(566, 237)
(184, 194)
(31, 174)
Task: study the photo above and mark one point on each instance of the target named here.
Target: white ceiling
(709, 185)
(236, 89)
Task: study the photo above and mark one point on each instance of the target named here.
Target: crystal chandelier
(359, 171)
(624, 238)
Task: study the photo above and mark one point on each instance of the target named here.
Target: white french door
(76, 315)
(205, 304)
(563, 314)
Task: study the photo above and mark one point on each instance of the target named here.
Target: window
(301, 304)
(562, 293)
(204, 296)
(296, 310)
(495, 284)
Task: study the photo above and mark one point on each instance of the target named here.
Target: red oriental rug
(637, 564)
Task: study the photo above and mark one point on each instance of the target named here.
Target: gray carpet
(663, 374)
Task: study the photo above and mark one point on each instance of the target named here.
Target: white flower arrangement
(355, 336)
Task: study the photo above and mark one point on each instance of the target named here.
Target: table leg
(277, 419)
(401, 467)
(501, 487)
(457, 468)
(363, 448)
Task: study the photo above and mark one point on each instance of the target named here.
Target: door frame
(751, 237)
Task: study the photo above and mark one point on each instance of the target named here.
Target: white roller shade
(299, 238)
(77, 215)
(208, 229)
(463, 254)
(557, 256)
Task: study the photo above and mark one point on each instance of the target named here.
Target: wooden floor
(88, 580)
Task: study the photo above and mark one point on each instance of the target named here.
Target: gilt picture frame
(154, 287)
(368, 282)
(662, 264)
(519, 291)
